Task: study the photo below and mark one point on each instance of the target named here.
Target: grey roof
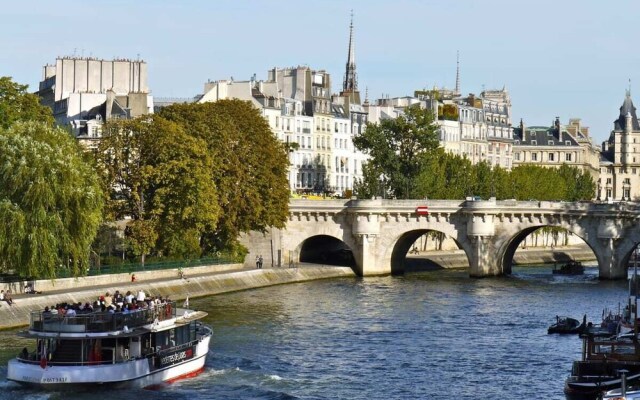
(543, 136)
(626, 108)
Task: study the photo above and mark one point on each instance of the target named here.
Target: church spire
(457, 73)
(350, 85)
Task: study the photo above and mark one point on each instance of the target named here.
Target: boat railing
(613, 350)
(100, 321)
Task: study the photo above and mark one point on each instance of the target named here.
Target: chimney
(557, 126)
(522, 129)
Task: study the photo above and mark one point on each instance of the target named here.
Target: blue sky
(566, 58)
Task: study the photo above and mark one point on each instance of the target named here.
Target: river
(429, 335)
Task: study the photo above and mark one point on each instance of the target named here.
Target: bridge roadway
(379, 232)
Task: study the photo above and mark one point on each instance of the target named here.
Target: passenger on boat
(118, 298)
(141, 295)
(108, 300)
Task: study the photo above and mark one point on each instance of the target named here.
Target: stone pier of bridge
(378, 233)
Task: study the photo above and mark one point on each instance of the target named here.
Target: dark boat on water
(567, 325)
(571, 268)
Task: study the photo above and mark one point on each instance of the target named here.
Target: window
(277, 122)
(567, 157)
(551, 157)
(608, 181)
(534, 156)
(626, 194)
(550, 143)
(534, 142)
(567, 143)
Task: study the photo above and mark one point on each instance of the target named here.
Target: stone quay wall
(178, 289)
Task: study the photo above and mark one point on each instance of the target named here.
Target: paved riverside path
(192, 285)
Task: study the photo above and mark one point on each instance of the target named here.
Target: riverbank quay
(528, 256)
(192, 285)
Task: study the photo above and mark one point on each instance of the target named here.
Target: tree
(50, 202)
(160, 177)
(18, 105)
(250, 166)
(579, 184)
(397, 148)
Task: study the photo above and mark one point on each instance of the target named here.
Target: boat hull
(138, 373)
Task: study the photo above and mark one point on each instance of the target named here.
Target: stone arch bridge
(377, 234)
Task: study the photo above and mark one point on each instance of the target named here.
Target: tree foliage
(406, 162)
(50, 201)
(249, 166)
(161, 177)
(397, 148)
(18, 105)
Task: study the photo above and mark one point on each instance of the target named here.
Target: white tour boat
(138, 349)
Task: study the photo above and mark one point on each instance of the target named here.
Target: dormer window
(534, 142)
(567, 143)
(550, 142)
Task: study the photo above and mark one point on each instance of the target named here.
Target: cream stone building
(619, 178)
(85, 92)
(556, 145)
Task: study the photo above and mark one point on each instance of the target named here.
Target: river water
(429, 335)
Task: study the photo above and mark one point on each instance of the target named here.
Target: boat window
(183, 335)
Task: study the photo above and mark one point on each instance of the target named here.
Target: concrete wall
(86, 75)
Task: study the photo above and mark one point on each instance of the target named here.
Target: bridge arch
(403, 243)
(326, 249)
(627, 245)
(507, 250)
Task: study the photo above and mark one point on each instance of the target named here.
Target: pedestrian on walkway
(257, 261)
(260, 261)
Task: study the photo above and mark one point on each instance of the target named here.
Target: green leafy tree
(397, 148)
(432, 180)
(160, 177)
(50, 202)
(18, 105)
(249, 168)
(579, 184)
(539, 183)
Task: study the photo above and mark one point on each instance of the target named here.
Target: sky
(565, 58)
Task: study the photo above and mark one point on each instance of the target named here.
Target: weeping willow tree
(50, 202)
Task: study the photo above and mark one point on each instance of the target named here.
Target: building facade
(556, 145)
(85, 92)
(619, 178)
